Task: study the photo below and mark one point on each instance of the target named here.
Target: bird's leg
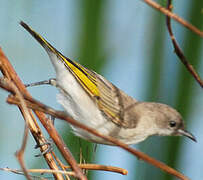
(48, 142)
(51, 81)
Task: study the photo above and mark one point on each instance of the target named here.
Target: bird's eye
(172, 123)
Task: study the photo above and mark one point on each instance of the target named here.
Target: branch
(70, 173)
(103, 168)
(36, 105)
(41, 171)
(10, 75)
(10, 86)
(168, 13)
(22, 106)
(177, 49)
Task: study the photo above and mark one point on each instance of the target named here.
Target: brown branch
(96, 167)
(168, 13)
(27, 117)
(61, 165)
(7, 85)
(102, 167)
(10, 75)
(37, 106)
(178, 50)
(20, 153)
(33, 104)
(41, 171)
(70, 173)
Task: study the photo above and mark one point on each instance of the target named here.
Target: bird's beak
(187, 134)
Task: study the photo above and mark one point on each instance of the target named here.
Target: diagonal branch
(177, 49)
(36, 105)
(8, 84)
(10, 75)
(168, 13)
(25, 112)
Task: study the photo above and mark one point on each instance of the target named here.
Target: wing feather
(113, 102)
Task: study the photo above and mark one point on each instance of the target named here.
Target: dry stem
(33, 104)
(174, 16)
(10, 75)
(178, 50)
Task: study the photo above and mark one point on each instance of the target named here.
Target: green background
(125, 41)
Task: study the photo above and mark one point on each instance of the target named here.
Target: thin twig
(174, 16)
(61, 165)
(6, 85)
(27, 117)
(102, 167)
(96, 167)
(9, 73)
(33, 104)
(178, 50)
(41, 171)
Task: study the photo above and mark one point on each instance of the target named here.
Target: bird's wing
(110, 100)
(115, 103)
(84, 76)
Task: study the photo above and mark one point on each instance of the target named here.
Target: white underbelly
(78, 104)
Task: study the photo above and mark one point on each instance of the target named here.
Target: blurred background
(125, 41)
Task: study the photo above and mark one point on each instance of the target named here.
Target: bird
(89, 98)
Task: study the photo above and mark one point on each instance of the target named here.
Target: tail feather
(84, 76)
(49, 47)
(38, 37)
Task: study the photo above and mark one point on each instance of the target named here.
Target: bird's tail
(84, 76)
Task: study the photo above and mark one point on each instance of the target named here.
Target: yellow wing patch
(111, 101)
(84, 76)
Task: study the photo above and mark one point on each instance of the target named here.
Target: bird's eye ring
(172, 123)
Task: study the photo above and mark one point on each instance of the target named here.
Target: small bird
(94, 101)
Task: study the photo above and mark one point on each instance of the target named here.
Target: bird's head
(165, 120)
